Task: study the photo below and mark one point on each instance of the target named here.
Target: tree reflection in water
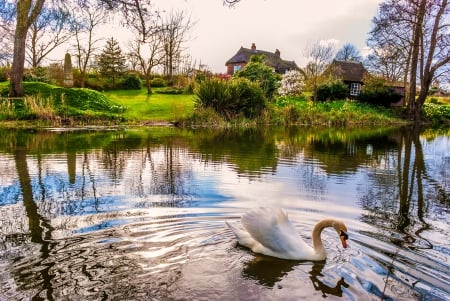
(71, 239)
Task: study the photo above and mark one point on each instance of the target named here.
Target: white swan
(268, 231)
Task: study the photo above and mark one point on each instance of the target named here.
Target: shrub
(158, 82)
(170, 90)
(376, 92)
(435, 113)
(131, 82)
(238, 96)
(291, 84)
(4, 73)
(332, 90)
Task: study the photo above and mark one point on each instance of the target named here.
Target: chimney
(277, 52)
(253, 47)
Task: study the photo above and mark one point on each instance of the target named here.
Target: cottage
(351, 73)
(272, 59)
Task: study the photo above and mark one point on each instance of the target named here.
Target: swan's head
(341, 230)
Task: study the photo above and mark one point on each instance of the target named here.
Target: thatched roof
(347, 71)
(272, 59)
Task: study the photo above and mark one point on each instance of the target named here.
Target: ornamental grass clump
(238, 97)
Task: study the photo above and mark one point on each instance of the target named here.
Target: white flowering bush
(291, 84)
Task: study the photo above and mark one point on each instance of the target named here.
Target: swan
(268, 231)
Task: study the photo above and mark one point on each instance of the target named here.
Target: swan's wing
(243, 237)
(272, 229)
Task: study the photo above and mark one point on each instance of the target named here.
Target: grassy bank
(47, 105)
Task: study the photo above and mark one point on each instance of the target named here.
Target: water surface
(140, 214)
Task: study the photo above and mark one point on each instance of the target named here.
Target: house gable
(272, 59)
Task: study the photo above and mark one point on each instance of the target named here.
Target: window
(236, 68)
(355, 89)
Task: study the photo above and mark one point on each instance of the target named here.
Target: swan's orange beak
(343, 236)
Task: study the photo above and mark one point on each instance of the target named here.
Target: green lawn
(154, 107)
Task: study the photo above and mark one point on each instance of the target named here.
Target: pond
(139, 214)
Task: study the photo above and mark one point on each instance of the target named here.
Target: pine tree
(111, 62)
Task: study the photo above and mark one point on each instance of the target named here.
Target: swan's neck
(316, 232)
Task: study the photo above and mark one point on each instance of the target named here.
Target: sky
(287, 25)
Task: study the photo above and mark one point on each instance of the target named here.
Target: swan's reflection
(269, 270)
(316, 272)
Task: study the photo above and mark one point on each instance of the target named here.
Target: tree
(47, 32)
(257, 71)
(6, 32)
(111, 62)
(147, 55)
(25, 12)
(420, 27)
(348, 53)
(320, 55)
(291, 83)
(84, 22)
(174, 31)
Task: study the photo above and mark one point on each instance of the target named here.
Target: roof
(348, 71)
(272, 59)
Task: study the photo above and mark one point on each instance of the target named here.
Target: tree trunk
(148, 84)
(17, 68)
(26, 14)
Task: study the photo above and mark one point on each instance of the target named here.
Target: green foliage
(257, 71)
(170, 90)
(332, 90)
(376, 92)
(435, 113)
(288, 110)
(158, 82)
(38, 74)
(236, 97)
(132, 82)
(4, 73)
(45, 101)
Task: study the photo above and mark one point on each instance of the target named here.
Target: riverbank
(51, 106)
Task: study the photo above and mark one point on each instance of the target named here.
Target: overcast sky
(289, 25)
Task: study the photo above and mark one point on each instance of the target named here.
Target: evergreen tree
(111, 62)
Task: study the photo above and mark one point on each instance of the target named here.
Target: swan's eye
(345, 235)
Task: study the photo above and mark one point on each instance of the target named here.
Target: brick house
(272, 59)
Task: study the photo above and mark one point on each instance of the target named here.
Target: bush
(376, 92)
(170, 90)
(158, 82)
(332, 90)
(131, 82)
(4, 73)
(258, 72)
(238, 96)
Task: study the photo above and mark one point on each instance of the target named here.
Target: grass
(141, 107)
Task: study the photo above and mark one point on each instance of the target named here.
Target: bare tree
(417, 31)
(47, 32)
(348, 53)
(147, 55)
(387, 62)
(319, 55)
(84, 24)
(174, 34)
(6, 33)
(27, 11)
